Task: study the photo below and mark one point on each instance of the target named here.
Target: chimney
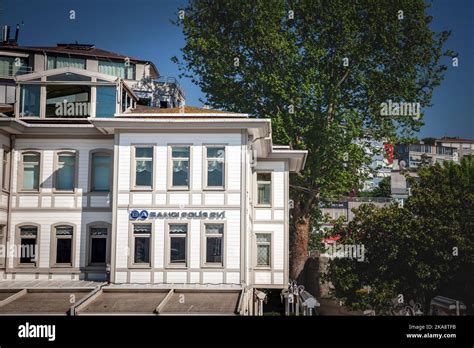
(5, 33)
(17, 32)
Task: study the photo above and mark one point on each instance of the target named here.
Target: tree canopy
(420, 250)
(320, 70)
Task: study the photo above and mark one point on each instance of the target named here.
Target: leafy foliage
(258, 58)
(421, 250)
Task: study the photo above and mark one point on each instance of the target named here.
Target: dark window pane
(68, 101)
(264, 176)
(214, 173)
(264, 193)
(180, 152)
(98, 250)
(30, 100)
(63, 254)
(66, 172)
(180, 173)
(27, 250)
(215, 152)
(142, 250)
(143, 173)
(106, 101)
(101, 172)
(146, 152)
(214, 249)
(31, 172)
(178, 250)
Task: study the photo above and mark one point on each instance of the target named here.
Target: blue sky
(142, 29)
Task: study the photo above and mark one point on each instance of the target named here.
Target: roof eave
(296, 158)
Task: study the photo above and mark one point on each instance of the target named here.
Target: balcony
(11, 71)
(171, 82)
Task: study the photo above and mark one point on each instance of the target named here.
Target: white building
(95, 188)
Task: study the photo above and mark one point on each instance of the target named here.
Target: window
(101, 171)
(66, 172)
(127, 101)
(98, 237)
(214, 243)
(264, 241)
(178, 239)
(30, 96)
(143, 166)
(141, 241)
(63, 245)
(68, 101)
(118, 69)
(180, 166)
(31, 166)
(12, 66)
(6, 169)
(215, 166)
(264, 186)
(105, 101)
(62, 62)
(28, 242)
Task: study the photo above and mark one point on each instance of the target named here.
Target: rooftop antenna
(17, 32)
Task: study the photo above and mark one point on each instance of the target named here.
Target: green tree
(421, 250)
(320, 70)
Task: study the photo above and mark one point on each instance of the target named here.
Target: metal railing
(171, 81)
(13, 71)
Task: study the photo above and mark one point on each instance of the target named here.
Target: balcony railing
(13, 71)
(171, 81)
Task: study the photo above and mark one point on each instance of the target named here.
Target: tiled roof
(72, 49)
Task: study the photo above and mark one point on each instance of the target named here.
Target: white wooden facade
(248, 150)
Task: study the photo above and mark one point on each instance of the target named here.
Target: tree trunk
(299, 241)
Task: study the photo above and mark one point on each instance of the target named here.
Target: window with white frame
(63, 245)
(28, 241)
(98, 236)
(57, 62)
(215, 165)
(31, 168)
(264, 188)
(101, 174)
(214, 243)
(178, 235)
(180, 166)
(144, 166)
(66, 171)
(123, 70)
(141, 244)
(264, 249)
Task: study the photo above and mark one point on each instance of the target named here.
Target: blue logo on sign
(134, 214)
(140, 215)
